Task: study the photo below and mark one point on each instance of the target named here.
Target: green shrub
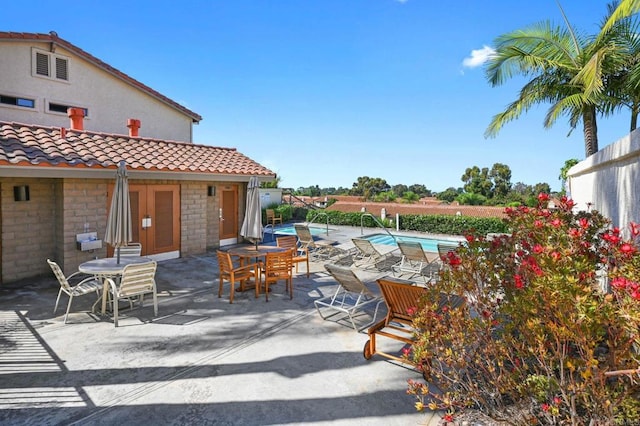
(539, 341)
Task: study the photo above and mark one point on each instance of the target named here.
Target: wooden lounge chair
(402, 299)
(351, 297)
(272, 218)
(367, 255)
(300, 254)
(415, 262)
(318, 249)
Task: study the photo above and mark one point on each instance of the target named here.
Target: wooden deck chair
(351, 297)
(300, 254)
(137, 279)
(318, 249)
(402, 299)
(272, 219)
(277, 266)
(235, 274)
(415, 261)
(367, 255)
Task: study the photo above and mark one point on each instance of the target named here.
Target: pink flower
(584, 223)
(538, 223)
(556, 223)
(545, 407)
(543, 198)
(469, 238)
(412, 310)
(635, 229)
(538, 249)
(556, 256)
(575, 233)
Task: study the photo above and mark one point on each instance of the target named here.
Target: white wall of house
(270, 196)
(609, 182)
(109, 100)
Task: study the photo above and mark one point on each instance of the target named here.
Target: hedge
(435, 224)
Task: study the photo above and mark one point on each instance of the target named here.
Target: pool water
(428, 244)
(290, 230)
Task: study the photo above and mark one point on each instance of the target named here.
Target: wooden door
(155, 217)
(228, 214)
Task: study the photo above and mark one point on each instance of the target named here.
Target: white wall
(270, 196)
(609, 182)
(110, 101)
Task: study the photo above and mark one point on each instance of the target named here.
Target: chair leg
(220, 288)
(57, 300)
(155, 302)
(115, 311)
(308, 267)
(68, 307)
(232, 284)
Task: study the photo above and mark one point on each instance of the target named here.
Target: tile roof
(52, 37)
(33, 145)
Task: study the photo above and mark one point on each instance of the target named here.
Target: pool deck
(202, 361)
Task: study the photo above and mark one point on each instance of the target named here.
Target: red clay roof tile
(27, 145)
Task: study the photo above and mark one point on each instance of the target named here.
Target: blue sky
(325, 91)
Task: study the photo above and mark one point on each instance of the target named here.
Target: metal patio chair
(137, 279)
(351, 297)
(367, 255)
(415, 262)
(87, 285)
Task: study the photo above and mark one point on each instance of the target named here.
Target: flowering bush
(550, 330)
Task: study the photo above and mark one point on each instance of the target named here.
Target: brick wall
(28, 231)
(193, 218)
(213, 218)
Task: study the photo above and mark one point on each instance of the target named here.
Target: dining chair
(277, 266)
(272, 219)
(137, 279)
(300, 254)
(130, 250)
(87, 285)
(233, 273)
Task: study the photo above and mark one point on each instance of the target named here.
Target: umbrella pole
(118, 254)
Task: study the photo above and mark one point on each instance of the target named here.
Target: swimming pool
(428, 244)
(290, 230)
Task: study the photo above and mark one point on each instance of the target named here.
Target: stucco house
(57, 166)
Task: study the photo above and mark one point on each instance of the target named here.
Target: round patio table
(109, 267)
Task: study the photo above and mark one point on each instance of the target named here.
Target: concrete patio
(201, 361)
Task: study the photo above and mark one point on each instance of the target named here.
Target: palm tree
(567, 72)
(625, 8)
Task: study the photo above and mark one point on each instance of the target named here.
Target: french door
(155, 217)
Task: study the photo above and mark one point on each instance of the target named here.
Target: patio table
(109, 267)
(251, 251)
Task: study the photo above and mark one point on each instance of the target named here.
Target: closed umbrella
(118, 230)
(252, 223)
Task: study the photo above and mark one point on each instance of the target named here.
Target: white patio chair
(351, 297)
(415, 262)
(130, 250)
(367, 255)
(137, 279)
(87, 285)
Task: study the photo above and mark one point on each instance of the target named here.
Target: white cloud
(478, 57)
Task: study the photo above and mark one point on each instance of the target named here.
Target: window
(17, 101)
(50, 65)
(62, 108)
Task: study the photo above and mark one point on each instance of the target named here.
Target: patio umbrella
(118, 232)
(252, 224)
